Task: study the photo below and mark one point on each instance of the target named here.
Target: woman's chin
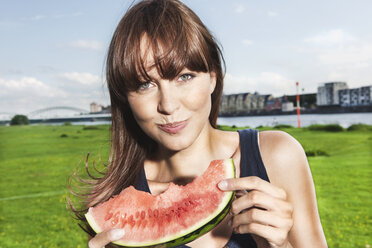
(175, 145)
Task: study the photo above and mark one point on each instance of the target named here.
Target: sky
(52, 53)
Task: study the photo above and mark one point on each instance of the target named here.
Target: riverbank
(319, 110)
(345, 120)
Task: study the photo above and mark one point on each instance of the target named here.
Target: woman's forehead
(147, 52)
(150, 58)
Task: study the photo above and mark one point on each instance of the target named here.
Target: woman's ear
(213, 79)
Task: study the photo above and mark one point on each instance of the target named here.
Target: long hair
(178, 40)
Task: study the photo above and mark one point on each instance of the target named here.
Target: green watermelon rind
(192, 232)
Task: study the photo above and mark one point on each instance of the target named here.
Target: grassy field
(36, 162)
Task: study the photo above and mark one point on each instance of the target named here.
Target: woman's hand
(104, 238)
(263, 211)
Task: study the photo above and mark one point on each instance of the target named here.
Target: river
(345, 120)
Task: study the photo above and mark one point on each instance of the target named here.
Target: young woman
(165, 79)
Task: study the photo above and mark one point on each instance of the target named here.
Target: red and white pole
(298, 105)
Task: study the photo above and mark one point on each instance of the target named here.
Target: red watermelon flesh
(180, 210)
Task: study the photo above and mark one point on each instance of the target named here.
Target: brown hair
(178, 40)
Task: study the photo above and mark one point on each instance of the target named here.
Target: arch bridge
(57, 108)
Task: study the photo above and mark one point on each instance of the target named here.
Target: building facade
(355, 97)
(94, 107)
(243, 103)
(328, 93)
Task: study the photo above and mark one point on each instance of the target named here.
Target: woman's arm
(284, 211)
(288, 168)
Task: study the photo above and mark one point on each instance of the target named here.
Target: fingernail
(117, 234)
(222, 185)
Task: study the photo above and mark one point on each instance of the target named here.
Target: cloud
(247, 42)
(339, 49)
(87, 44)
(264, 83)
(239, 8)
(340, 56)
(331, 37)
(83, 78)
(27, 94)
(356, 55)
(19, 95)
(37, 17)
(27, 85)
(79, 13)
(272, 14)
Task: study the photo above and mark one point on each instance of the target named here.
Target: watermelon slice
(177, 216)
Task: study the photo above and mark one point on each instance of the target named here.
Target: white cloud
(331, 37)
(26, 94)
(272, 13)
(27, 85)
(355, 55)
(239, 8)
(79, 13)
(58, 16)
(87, 44)
(37, 17)
(83, 78)
(340, 56)
(247, 42)
(264, 83)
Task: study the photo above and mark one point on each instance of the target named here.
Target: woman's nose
(168, 100)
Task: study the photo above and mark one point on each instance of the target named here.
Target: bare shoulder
(283, 157)
(288, 168)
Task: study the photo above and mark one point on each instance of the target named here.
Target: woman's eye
(185, 77)
(144, 86)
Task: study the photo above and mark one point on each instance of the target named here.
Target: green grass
(36, 162)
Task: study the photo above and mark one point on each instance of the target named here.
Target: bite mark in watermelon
(177, 216)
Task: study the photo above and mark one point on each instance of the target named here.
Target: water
(345, 120)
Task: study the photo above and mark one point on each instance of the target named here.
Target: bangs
(172, 38)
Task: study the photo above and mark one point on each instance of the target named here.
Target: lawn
(36, 162)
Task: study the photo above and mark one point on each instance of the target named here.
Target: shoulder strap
(251, 163)
(142, 182)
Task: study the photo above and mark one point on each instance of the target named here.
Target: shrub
(230, 128)
(328, 127)
(93, 127)
(19, 120)
(64, 135)
(316, 152)
(360, 127)
(67, 123)
(282, 126)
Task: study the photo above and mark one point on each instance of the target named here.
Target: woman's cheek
(142, 109)
(198, 99)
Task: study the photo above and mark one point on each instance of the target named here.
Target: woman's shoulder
(287, 167)
(284, 158)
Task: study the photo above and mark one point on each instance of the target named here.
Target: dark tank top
(250, 165)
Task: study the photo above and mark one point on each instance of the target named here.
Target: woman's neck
(183, 166)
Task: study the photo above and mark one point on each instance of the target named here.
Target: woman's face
(173, 112)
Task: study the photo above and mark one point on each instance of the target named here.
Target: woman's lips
(174, 127)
